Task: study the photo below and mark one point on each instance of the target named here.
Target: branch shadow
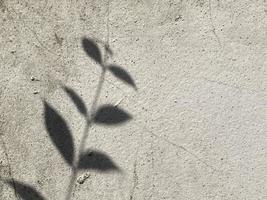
(62, 137)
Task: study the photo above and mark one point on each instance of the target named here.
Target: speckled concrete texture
(199, 114)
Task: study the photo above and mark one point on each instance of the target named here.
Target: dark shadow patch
(59, 133)
(111, 115)
(78, 102)
(122, 74)
(26, 192)
(92, 50)
(96, 160)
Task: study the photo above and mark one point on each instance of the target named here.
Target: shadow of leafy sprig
(61, 136)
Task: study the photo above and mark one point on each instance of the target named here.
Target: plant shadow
(62, 137)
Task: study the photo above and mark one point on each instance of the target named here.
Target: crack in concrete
(43, 46)
(233, 86)
(2, 5)
(213, 27)
(9, 167)
(152, 168)
(108, 31)
(135, 181)
(181, 147)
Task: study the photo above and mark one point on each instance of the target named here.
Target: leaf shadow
(96, 160)
(92, 50)
(111, 115)
(122, 74)
(59, 133)
(25, 191)
(78, 102)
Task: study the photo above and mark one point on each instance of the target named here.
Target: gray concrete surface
(199, 114)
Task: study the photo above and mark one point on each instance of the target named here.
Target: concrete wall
(199, 114)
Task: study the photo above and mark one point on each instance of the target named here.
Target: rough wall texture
(199, 114)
